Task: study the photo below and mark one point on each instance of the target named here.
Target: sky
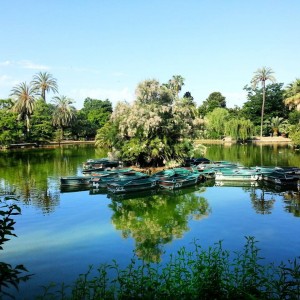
(102, 49)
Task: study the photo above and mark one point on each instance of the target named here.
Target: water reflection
(262, 202)
(292, 202)
(155, 220)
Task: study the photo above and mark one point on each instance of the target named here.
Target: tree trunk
(263, 108)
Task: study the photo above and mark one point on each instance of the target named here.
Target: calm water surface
(60, 233)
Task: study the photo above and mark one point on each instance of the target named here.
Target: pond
(60, 233)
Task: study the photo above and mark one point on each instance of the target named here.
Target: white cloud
(7, 81)
(5, 63)
(27, 64)
(24, 64)
(98, 93)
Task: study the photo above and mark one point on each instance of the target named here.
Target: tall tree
(44, 82)
(273, 107)
(64, 112)
(261, 76)
(25, 102)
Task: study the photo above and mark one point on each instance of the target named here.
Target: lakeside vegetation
(159, 126)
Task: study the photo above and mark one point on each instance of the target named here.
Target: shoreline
(257, 140)
(228, 141)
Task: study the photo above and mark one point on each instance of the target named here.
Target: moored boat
(171, 173)
(75, 180)
(236, 174)
(134, 185)
(176, 182)
(101, 182)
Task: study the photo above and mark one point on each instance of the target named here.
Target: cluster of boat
(110, 175)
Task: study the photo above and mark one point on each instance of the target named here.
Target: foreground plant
(211, 273)
(9, 276)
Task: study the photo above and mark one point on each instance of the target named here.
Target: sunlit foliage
(156, 127)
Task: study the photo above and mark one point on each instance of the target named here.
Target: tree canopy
(214, 100)
(157, 127)
(273, 107)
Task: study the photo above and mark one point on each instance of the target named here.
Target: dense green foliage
(295, 134)
(212, 273)
(274, 105)
(94, 115)
(47, 121)
(239, 129)
(214, 100)
(215, 121)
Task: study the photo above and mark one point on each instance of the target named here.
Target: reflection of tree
(156, 220)
(260, 204)
(34, 174)
(292, 202)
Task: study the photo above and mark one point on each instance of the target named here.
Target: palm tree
(261, 76)
(292, 95)
(176, 83)
(64, 113)
(25, 101)
(44, 82)
(275, 123)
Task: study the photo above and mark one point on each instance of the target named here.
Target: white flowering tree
(156, 128)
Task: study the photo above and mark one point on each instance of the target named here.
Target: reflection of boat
(236, 183)
(236, 174)
(132, 185)
(180, 181)
(73, 188)
(133, 195)
(180, 192)
(280, 188)
(100, 191)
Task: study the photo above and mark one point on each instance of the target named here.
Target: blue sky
(103, 49)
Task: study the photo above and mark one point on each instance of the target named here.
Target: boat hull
(131, 186)
(177, 183)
